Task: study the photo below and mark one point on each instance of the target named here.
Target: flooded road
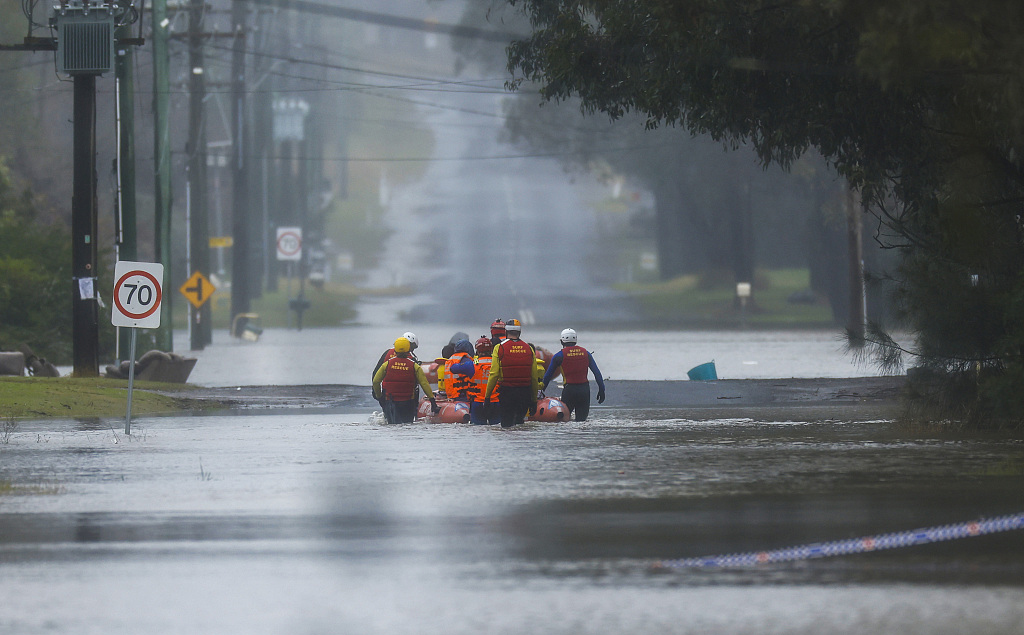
(347, 355)
(334, 523)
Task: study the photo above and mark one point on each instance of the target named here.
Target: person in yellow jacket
(395, 383)
(514, 369)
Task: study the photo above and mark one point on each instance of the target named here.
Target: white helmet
(413, 342)
(568, 336)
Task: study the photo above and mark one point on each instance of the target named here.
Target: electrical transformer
(85, 38)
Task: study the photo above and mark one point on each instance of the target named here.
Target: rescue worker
(388, 354)
(497, 331)
(574, 361)
(481, 373)
(513, 369)
(458, 372)
(395, 384)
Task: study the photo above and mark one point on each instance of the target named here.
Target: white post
(131, 383)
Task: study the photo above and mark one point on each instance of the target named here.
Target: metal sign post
(138, 291)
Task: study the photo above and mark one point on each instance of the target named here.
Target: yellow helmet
(514, 326)
(402, 345)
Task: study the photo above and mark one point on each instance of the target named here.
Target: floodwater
(347, 355)
(316, 523)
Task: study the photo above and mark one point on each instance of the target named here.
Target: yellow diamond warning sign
(197, 289)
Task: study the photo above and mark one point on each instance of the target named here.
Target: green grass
(709, 300)
(332, 305)
(49, 397)
(7, 488)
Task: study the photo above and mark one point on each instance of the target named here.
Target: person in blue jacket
(574, 362)
(459, 371)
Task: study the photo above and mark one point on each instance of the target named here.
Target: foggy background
(418, 172)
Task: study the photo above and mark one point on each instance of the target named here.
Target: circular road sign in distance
(289, 243)
(138, 291)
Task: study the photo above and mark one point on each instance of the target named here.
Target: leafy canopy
(920, 104)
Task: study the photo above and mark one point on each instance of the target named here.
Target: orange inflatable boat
(451, 411)
(548, 409)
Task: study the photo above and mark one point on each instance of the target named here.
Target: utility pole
(124, 79)
(162, 164)
(241, 287)
(199, 251)
(857, 326)
(85, 49)
(261, 238)
(85, 312)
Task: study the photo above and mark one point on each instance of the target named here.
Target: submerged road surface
(311, 521)
(489, 232)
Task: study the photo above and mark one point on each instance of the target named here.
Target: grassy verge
(331, 305)
(709, 300)
(48, 397)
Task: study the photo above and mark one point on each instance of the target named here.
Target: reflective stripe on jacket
(457, 386)
(482, 372)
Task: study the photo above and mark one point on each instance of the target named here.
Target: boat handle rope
(864, 544)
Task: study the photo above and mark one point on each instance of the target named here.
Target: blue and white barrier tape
(856, 545)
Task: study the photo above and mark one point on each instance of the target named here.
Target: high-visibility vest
(457, 386)
(400, 379)
(575, 364)
(481, 373)
(516, 358)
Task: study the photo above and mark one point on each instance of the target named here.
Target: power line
(328, 65)
(491, 157)
(384, 19)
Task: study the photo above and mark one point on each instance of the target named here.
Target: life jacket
(481, 373)
(457, 386)
(575, 364)
(516, 359)
(384, 359)
(540, 368)
(441, 362)
(400, 379)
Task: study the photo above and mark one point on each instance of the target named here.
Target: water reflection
(347, 355)
(314, 521)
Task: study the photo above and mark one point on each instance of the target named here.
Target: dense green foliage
(918, 104)
(35, 275)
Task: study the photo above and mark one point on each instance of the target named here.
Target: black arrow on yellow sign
(197, 289)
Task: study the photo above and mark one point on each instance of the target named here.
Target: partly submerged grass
(48, 397)
(7, 488)
(693, 300)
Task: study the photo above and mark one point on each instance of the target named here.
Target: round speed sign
(138, 291)
(289, 243)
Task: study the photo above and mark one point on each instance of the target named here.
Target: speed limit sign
(289, 243)
(138, 290)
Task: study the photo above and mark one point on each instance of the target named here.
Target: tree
(918, 105)
(705, 199)
(35, 274)
(709, 205)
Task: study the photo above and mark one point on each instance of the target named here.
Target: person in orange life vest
(574, 362)
(497, 331)
(482, 372)
(388, 354)
(458, 372)
(513, 368)
(396, 383)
